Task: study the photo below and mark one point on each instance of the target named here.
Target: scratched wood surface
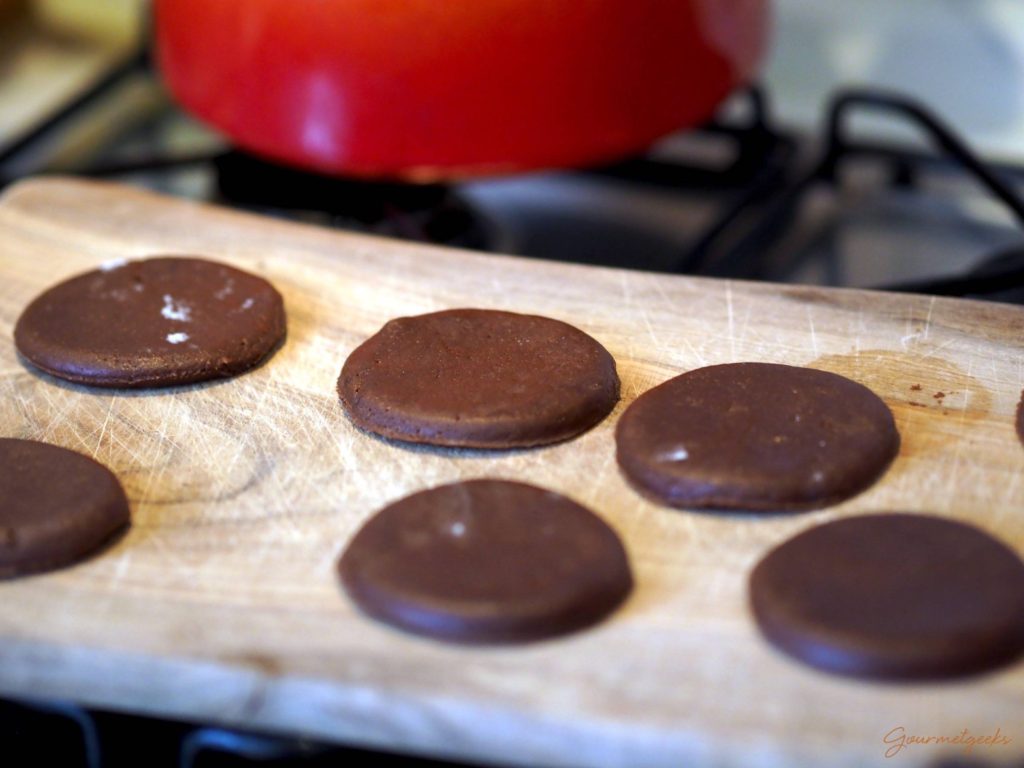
(221, 603)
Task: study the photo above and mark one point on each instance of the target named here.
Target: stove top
(740, 197)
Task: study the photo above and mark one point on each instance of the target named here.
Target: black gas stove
(741, 197)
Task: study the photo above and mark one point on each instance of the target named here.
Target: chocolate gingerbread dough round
(56, 506)
(893, 596)
(755, 436)
(486, 561)
(479, 379)
(155, 322)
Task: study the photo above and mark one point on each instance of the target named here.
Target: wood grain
(222, 604)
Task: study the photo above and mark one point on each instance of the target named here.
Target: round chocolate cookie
(56, 506)
(152, 323)
(755, 436)
(486, 561)
(478, 379)
(893, 596)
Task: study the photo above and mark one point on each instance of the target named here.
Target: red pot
(429, 89)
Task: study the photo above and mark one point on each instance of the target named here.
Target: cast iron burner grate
(998, 277)
(431, 213)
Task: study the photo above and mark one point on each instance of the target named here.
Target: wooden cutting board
(222, 605)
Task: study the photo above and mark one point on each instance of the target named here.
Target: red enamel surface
(428, 89)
